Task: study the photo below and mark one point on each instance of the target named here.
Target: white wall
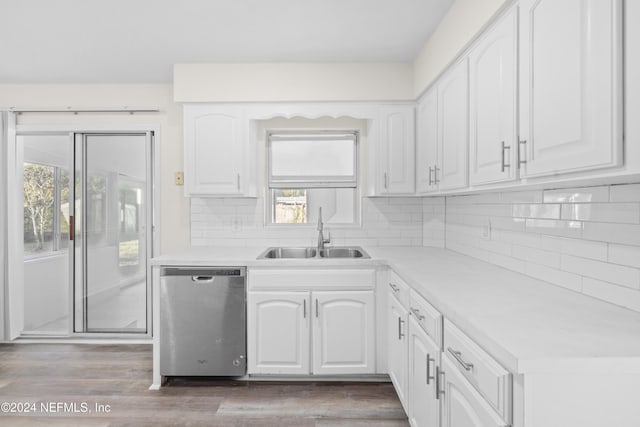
(174, 207)
(269, 82)
(462, 23)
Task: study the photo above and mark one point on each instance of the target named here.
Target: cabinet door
(570, 85)
(462, 405)
(424, 357)
(492, 110)
(278, 332)
(344, 332)
(396, 157)
(453, 101)
(427, 142)
(398, 348)
(214, 150)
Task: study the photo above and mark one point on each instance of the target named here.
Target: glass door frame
(14, 290)
(78, 270)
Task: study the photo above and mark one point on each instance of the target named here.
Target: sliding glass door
(89, 241)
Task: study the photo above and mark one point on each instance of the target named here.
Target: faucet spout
(321, 239)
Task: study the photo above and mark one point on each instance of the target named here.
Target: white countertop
(528, 325)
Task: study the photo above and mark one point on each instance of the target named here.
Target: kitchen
(535, 299)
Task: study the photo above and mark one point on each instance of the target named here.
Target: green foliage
(39, 197)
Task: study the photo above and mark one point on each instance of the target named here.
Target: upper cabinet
(493, 110)
(570, 85)
(442, 148)
(427, 142)
(217, 152)
(394, 173)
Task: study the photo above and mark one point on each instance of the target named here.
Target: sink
(343, 252)
(329, 252)
(285, 252)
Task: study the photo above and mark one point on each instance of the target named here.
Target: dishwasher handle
(202, 279)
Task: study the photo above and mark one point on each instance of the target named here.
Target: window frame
(311, 182)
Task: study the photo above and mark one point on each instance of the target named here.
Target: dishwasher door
(203, 321)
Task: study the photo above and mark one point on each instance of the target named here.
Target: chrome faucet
(321, 239)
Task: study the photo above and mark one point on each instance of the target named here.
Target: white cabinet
(396, 151)
(343, 332)
(217, 152)
(427, 142)
(279, 332)
(462, 405)
(442, 153)
(570, 85)
(424, 361)
(398, 348)
(493, 141)
(453, 125)
(310, 322)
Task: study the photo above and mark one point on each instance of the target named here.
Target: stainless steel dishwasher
(203, 321)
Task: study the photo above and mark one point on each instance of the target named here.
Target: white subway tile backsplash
(620, 275)
(624, 234)
(628, 213)
(583, 239)
(575, 195)
(537, 256)
(625, 193)
(557, 277)
(624, 255)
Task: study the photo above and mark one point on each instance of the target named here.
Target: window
(46, 196)
(309, 170)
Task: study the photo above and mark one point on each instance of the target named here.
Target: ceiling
(138, 41)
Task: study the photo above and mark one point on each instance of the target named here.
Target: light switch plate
(179, 178)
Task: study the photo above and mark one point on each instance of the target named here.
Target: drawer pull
(458, 356)
(429, 376)
(416, 313)
(394, 287)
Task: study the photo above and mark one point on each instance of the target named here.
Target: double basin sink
(309, 252)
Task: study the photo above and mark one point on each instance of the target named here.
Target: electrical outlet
(179, 178)
(486, 231)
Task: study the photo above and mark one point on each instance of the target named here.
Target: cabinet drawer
(399, 288)
(310, 279)
(479, 368)
(426, 316)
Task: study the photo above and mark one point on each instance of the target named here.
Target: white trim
(3, 221)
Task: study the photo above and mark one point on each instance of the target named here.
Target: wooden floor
(107, 385)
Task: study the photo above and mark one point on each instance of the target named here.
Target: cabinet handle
(400, 334)
(430, 171)
(504, 165)
(520, 161)
(72, 229)
(416, 313)
(435, 174)
(458, 356)
(439, 373)
(429, 377)
(238, 181)
(386, 181)
(394, 287)
(317, 308)
(304, 309)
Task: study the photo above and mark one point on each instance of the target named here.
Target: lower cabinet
(312, 332)
(398, 348)
(462, 405)
(424, 362)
